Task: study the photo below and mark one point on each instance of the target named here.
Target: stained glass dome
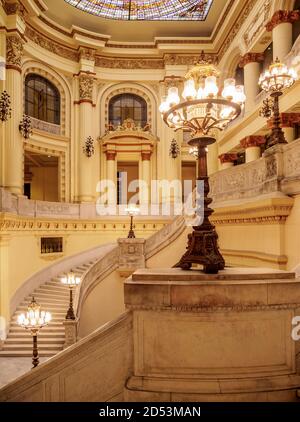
(146, 9)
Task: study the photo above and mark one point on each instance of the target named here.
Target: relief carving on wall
(86, 84)
(14, 50)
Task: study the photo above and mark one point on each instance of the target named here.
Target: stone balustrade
(278, 171)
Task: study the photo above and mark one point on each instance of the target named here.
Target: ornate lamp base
(203, 242)
(203, 249)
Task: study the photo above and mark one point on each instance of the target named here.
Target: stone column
(145, 189)
(14, 145)
(252, 146)
(281, 26)
(2, 88)
(169, 168)
(5, 292)
(87, 187)
(251, 64)
(227, 160)
(111, 174)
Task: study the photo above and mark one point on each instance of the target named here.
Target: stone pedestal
(131, 256)
(225, 337)
(70, 332)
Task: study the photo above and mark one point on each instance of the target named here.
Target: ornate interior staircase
(53, 296)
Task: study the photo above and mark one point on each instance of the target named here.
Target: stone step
(20, 353)
(57, 284)
(56, 289)
(27, 347)
(21, 341)
(54, 310)
(48, 305)
(42, 334)
(16, 329)
(39, 296)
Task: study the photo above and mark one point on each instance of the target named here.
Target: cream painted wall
(292, 235)
(44, 184)
(104, 303)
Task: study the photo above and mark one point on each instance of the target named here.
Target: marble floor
(12, 368)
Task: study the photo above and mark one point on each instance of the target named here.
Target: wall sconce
(34, 320)
(25, 127)
(5, 109)
(88, 148)
(174, 149)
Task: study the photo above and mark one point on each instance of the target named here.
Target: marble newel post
(251, 64)
(281, 26)
(87, 182)
(14, 147)
(252, 146)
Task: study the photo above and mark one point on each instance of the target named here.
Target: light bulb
(164, 107)
(211, 89)
(189, 92)
(229, 89)
(173, 97)
(200, 93)
(226, 113)
(240, 96)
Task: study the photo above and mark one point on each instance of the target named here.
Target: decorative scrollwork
(25, 126)
(88, 147)
(174, 149)
(5, 109)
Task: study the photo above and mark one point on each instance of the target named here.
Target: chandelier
(274, 81)
(202, 109)
(34, 320)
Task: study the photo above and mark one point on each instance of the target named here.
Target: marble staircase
(53, 297)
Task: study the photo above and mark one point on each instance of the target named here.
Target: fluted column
(87, 186)
(2, 88)
(251, 64)
(111, 175)
(281, 26)
(14, 147)
(145, 189)
(227, 160)
(252, 147)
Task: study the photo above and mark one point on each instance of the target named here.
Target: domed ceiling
(146, 9)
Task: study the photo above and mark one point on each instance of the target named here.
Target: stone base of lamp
(131, 255)
(201, 337)
(70, 332)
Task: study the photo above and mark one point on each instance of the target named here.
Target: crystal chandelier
(203, 108)
(34, 320)
(274, 81)
(72, 281)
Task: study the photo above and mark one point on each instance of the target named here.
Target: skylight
(163, 10)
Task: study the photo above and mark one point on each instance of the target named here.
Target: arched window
(42, 99)
(127, 106)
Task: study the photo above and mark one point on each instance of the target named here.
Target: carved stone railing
(277, 172)
(95, 369)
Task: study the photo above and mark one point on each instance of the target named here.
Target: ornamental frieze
(14, 50)
(120, 63)
(51, 45)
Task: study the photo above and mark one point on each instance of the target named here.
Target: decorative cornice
(282, 16)
(251, 58)
(252, 141)
(227, 158)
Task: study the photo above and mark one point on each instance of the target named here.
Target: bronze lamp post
(72, 281)
(201, 111)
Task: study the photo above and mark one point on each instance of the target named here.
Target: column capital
(251, 58)
(111, 155)
(146, 155)
(171, 80)
(228, 157)
(86, 53)
(252, 141)
(287, 120)
(14, 51)
(282, 16)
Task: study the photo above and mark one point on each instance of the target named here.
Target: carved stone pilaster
(251, 58)
(14, 52)
(70, 332)
(131, 256)
(252, 141)
(86, 85)
(282, 16)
